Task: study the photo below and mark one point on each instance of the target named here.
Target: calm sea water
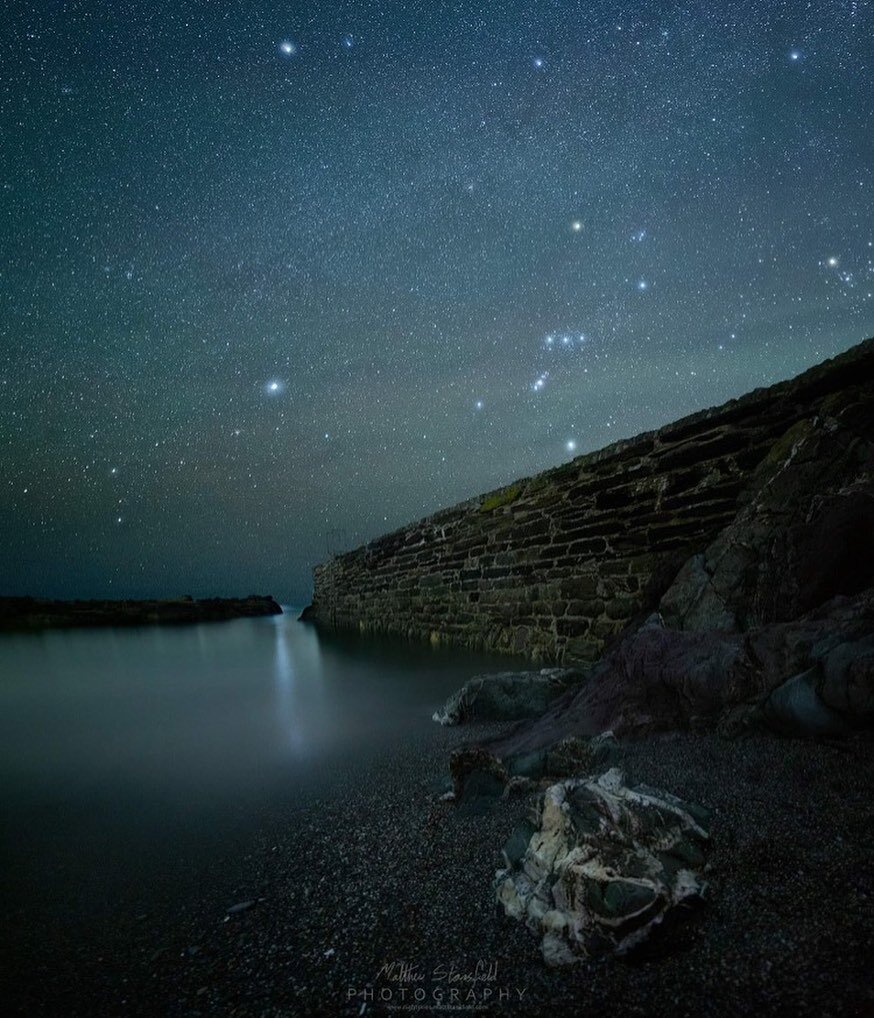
(131, 760)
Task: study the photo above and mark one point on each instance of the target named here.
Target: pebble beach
(373, 896)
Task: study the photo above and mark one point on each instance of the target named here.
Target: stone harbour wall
(556, 565)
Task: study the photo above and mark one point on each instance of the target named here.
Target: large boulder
(602, 866)
(833, 697)
(507, 696)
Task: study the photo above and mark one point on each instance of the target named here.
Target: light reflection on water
(167, 707)
(120, 748)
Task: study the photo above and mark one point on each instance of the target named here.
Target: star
(264, 274)
(570, 445)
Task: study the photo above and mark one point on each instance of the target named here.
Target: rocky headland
(27, 613)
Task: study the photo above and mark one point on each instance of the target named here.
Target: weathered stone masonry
(554, 566)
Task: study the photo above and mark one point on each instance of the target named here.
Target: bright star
(274, 387)
(832, 262)
(642, 284)
(795, 55)
(479, 404)
(287, 48)
(577, 226)
(538, 62)
(570, 445)
(348, 41)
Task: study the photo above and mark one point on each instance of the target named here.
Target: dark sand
(376, 870)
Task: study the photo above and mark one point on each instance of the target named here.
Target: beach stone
(242, 906)
(519, 786)
(833, 697)
(476, 774)
(577, 756)
(507, 696)
(846, 683)
(602, 866)
(795, 708)
(527, 765)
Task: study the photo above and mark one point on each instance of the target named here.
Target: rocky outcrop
(659, 679)
(558, 565)
(804, 534)
(39, 613)
(772, 623)
(602, 865)
(507, 696)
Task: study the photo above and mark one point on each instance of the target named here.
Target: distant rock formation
(39, 613)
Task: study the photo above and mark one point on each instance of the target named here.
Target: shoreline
(28, 614)
(374, 871)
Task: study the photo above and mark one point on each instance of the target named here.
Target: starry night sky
(277, 278)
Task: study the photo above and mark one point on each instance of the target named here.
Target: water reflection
(131, 759)
(204, 709)
(300, 701)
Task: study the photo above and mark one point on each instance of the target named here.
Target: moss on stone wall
(501, 497)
